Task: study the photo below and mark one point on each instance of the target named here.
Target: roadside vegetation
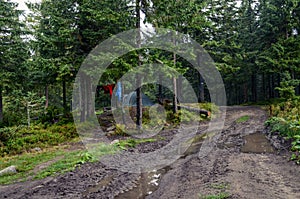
(285, 119)
(46, 149)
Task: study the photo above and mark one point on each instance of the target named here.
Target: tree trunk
(82, 98)
(179, 89)
(89, 97)
(175, 108)
(253, 84)
(160, 89)
(263, 86)
(139, 110)
(245, 93)
(47, 96)
(201, 81)
(1, 105)
(201, 88)
(64, 96)
(270, 86)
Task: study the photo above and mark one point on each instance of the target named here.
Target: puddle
(149, 182)
(146, 185)
(195, 145)
(257, 143)
(97, 187)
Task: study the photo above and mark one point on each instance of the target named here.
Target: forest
(254, 44)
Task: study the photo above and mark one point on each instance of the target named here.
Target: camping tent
(130, 100)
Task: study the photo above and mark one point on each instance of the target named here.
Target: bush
(15, 140)
(286, 121)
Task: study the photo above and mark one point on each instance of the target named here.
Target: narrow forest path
(242, 164)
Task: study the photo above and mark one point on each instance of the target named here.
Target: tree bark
(47, 96)
(64, 96)
(253, 84)
(175, 108)
(201, 81)
(82, 98)
(179, 89)
(139, 110)
(160, 89)
(245, 92)
(264, 86)
(201, 88)
(1, 105)
(89, 108)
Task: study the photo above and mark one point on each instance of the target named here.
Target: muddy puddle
(257, 143)
(149, 182)
(146, 185)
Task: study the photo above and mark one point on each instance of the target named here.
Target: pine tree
(12, 49)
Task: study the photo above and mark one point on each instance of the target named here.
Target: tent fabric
(119, 91)
(108, 89)
(130, 100)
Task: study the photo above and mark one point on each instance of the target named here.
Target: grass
(124, 144)
(242, 119)
(25, 163)
(219, 186)
(66, 161)
(222, 195)
(70, 161)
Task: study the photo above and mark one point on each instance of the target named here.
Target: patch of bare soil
(242, 164)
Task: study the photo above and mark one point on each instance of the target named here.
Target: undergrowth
(16, 140)
(285, 119)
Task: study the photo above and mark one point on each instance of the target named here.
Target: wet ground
(239, 162)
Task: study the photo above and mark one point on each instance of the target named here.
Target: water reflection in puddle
(257, 143)
(146, 185)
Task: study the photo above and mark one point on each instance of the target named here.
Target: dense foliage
(286, 121)
(255, 44)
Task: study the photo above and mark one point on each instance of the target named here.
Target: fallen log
(196, 110)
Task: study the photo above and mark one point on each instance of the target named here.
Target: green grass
(25, 163)
(70, 161)
(242, 119)
(219, 186)
(124, 144)
(222, 195)
(66, 161)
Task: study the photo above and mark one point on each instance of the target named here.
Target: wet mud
(240, 162)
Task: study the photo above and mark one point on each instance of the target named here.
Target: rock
(111, 128)
(8, 170)
(37, 149)
(110, 133)
(115, 141)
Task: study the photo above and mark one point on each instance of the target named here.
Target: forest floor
(242, 163)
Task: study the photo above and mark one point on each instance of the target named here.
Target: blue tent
(130, 100)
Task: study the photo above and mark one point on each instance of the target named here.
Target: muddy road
(240, 162)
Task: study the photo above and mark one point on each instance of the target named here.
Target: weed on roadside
(222, 195)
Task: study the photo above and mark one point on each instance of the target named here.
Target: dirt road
(240, 164)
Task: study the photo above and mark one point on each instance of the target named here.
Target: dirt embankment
(240, 164)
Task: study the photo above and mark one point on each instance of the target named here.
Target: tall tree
(12, 49)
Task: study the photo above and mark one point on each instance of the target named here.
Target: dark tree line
(255, 45)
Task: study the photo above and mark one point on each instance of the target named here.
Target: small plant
(242, 119)
(220, 186)
(222, 195)
(120, 130)
(124, 144)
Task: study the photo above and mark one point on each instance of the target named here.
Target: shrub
(286, 121)
(15, 140)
